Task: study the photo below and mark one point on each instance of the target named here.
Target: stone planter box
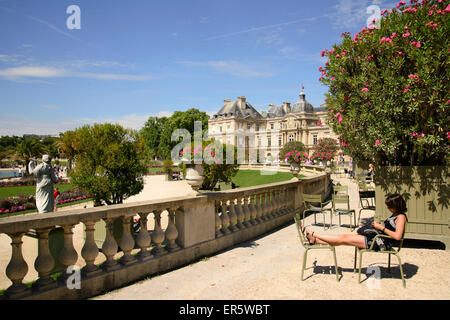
(427, 194)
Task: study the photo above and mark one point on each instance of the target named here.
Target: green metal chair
(313, 203)
(308, 247)
(366, 200)
(389, 252)
(341, 205)
(340, 189)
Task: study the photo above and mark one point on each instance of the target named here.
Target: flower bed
(26, 182)
(28, 202)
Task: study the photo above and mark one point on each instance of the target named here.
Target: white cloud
(50, 107)
(25, 72)
(349, 14)
(12, 124)
(234, 68)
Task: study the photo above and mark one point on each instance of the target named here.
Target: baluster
(279, 202)
(44, 262)
(90, 251)
(265, 216)
(225, 219)
(158, 235)
(270, 205)
(258, 208)
(17, 268)
(110, 247)
(233, 217)
(218, 221)
(127, 242)
(68, 255)
(273, 204)
(287, 192)
(252, 210)
(246, 212)
(143, 238)
(171, 231)
(240, 213)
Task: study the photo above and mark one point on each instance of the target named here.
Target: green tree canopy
(180, 120)
(29, 148)
(108, 162)
(389, 89)
(151, 133)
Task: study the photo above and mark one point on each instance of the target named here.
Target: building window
(228, 127)
(249, 126)
(240, 125)
(220, 128)
(291, 138)
(279, 141)
(269, 142)
(257, 127)
(259, 141)
(271, 126)
(315, 139)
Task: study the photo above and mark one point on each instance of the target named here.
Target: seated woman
(393, 226)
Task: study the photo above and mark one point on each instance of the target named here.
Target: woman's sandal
(305, 233)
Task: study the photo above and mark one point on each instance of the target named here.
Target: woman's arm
(400, 227)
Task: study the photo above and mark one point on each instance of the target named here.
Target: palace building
(265, 133)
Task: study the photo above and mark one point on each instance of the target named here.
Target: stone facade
(240, 124)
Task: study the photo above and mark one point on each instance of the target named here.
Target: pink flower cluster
(431, 25)
(416, 44)
(416, 135)
(295, 156)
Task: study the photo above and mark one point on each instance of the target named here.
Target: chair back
(400, 243)
(340, 189)
(298, 224)
(341, 199)
(311, 199)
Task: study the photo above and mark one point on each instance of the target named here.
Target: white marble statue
(46, 177)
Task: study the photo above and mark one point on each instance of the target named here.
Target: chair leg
(389, 263)
(360, 263)
(356, 255)
(401, 270)
(335, 263)
(304, 262)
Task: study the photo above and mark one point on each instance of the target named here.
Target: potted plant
(388, 102)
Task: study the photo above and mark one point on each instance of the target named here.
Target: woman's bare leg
(354, 240)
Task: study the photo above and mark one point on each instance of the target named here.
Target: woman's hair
(396, 202)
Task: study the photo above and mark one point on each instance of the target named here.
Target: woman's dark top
(383, 243)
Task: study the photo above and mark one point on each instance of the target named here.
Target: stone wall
(198, 226)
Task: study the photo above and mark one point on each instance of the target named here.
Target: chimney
(226, 101)
(287, 107)
(241, 102)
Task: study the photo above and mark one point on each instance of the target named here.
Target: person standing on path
(45, 178)
(56, 194)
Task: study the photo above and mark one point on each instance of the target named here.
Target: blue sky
(137, 58)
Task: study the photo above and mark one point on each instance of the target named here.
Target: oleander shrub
(388, 96)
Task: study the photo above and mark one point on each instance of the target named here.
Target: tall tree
(29, 148)
(180, 120)
(108, 162)
(151, 133)
(67, 145)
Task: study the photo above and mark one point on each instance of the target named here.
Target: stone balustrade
(197, 226)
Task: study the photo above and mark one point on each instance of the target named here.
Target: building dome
(302, 105)
(239, 108)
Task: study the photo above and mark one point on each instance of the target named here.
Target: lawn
(251, 178)
(27, 190)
